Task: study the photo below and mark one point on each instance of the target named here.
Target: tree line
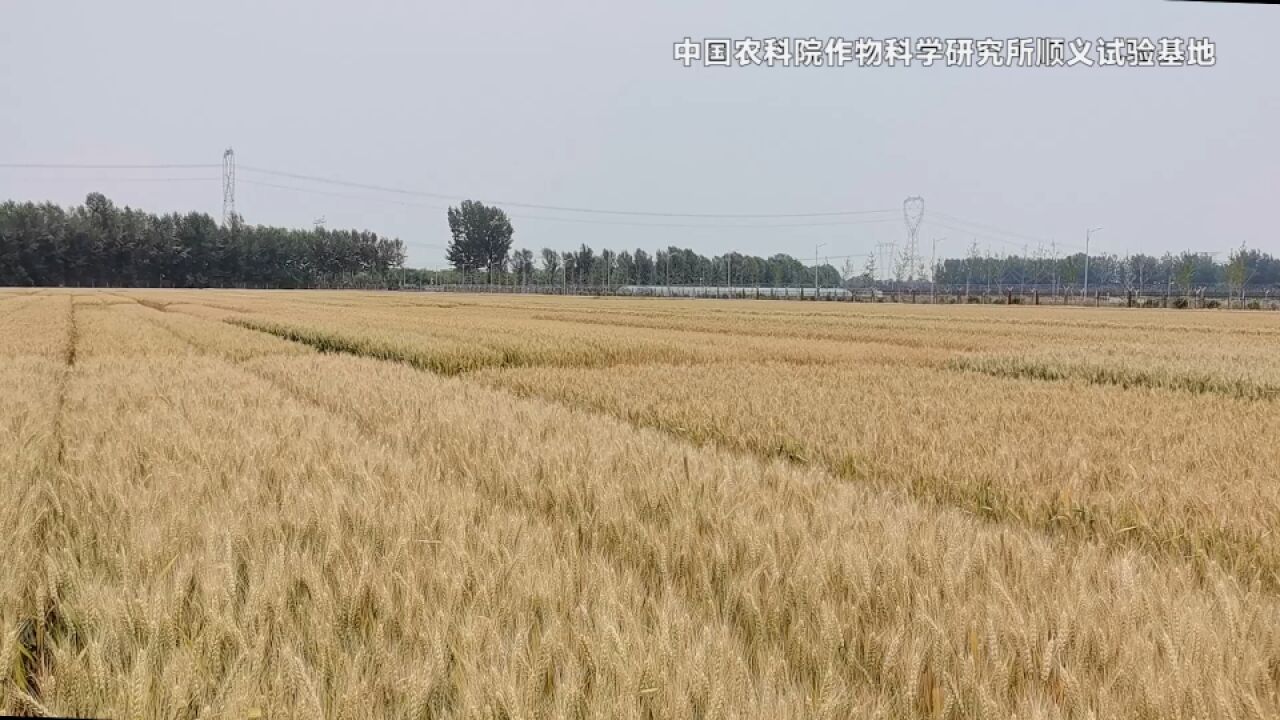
(587, 267)
(1183, 273)
(98, 244)
(480, 250)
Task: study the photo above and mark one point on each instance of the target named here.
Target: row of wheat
(205, 515)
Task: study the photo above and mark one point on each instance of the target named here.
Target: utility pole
(1022, 280)
(987, 262)
(933, 272)
(668, 272)
(816, 248)
(1087, 236)
(968, 268)
(1053, 244)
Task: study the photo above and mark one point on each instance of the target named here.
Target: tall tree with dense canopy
(550, 264)
(480, 238)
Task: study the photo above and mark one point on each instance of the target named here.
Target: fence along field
(239, 504)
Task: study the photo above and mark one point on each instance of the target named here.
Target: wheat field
(240, 504)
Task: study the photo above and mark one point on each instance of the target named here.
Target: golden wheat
(627, 508)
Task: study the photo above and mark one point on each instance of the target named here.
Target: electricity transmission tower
(228, 187)
(913, 215)
(887, 251)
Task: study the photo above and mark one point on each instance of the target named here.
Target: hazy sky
(580, 103)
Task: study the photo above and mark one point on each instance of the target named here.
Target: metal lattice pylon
(228, 187)
(913, 215)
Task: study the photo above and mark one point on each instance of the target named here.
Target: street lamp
(933, 271)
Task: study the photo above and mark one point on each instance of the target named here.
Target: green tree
(522, 265)
(99, 244)
(1238, 272)
(1072, 268)
(583, 263)
(625, 267)
(1186, 272)
(569, 261)
(646, 270)
(550, 264)
(480, 238)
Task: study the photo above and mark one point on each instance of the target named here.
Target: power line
(990, 228)
(971, 233)
(559, 208)
(992, 238)
(1024, 238)
(949, 221)
(134, 166)
(442, 196)
(114, 179)
(522, 216)
(329, 193)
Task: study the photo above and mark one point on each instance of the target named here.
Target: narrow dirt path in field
(44, 540)
(69, 360)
